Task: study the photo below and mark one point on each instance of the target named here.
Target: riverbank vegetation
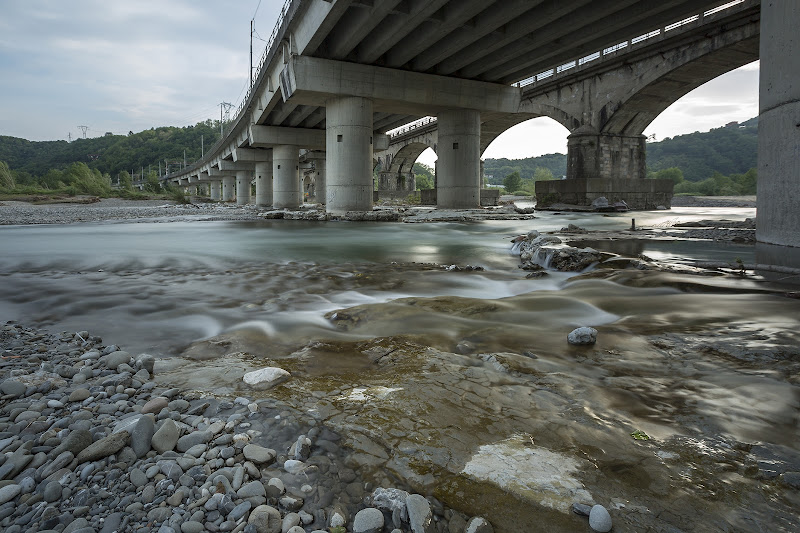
(77, 179)
(718, 162)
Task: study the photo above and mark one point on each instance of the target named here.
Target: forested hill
(110, 154)
(727, 150)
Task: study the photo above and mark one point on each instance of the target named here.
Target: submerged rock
(582, 336)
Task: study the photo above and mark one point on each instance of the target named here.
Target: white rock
(294, 467)
(599, 519)
(265, 378)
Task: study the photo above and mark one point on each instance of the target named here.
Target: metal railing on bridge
(411, 126)
(627, 45)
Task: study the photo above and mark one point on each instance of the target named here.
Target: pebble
(599, 519)
(9, 492)
(369, 520)
(584, 336)
(106, 449)
(419, 513)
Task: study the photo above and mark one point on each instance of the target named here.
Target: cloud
(122, 65)
(131, 65)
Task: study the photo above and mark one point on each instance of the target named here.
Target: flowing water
(460, 383)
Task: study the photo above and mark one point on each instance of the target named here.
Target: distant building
(733, 124)
(109, 134)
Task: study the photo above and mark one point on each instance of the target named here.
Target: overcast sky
(129, 65)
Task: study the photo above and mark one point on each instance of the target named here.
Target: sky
(129, 65)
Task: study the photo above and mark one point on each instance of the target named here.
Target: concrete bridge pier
(243, 179)
(264, 183)
(286, 174)
(348, 152)
(396, 184)
(216, 189)
(228, 188)
(601, 155)
(606, 165)
(320, 184)
(778, 220)
(458, 172)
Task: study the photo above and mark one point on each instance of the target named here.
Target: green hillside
(727, 150)
(110, 154)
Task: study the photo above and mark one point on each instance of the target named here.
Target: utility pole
(83, 129)
(69, 136)
(202, 147)
(251, 53)
(184, 158)
(227, 106)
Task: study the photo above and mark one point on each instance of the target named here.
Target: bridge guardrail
(419, 123)
(626, 46)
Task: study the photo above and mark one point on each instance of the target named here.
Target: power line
(227, 106)
(83, 129)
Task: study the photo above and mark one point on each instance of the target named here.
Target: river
(462, 378)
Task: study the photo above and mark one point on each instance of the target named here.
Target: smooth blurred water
(158, 286)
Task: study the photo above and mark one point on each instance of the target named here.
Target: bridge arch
(634, 110)
(520, 127)
(404, 159)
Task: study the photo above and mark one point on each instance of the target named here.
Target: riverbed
(458, 382)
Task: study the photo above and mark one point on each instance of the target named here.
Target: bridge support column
(228, 188)
(348, 151)
(459, 164)
(216, 189)
(243, 187)
(396, 185)
(286, 173)
(264, 184)
(320, 186)
(778, 220)
(605, 165)
(594, 155)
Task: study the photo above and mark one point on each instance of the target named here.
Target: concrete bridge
(337, 75)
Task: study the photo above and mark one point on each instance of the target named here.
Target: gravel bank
(110, 209)
(714, 201)
(89, 443)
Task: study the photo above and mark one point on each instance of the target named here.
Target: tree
(424, 176)
(673, 173)
(6, 178)
(152, 183)
(125, 181)
(512, 182)
(542, 174)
